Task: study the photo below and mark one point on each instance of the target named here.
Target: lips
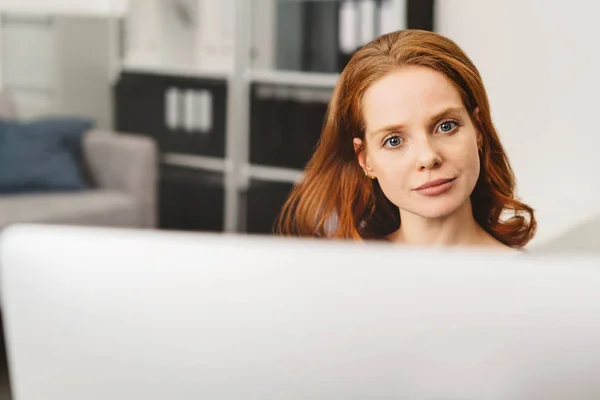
(435, 188)
(437, 182)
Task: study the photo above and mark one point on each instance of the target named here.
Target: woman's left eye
(447, 126)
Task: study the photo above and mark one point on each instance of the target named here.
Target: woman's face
(421, 144)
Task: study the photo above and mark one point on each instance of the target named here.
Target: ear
(361, 155)
(477, 114)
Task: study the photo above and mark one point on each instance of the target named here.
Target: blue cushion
(43, 155)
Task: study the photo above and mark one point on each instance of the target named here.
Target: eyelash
(456, 125)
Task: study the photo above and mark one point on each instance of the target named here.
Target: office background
(198, 128)
(167, 70)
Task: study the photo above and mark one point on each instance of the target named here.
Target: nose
(427, 157)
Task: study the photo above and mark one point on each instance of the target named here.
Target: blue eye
(447, 126)
(393, 141)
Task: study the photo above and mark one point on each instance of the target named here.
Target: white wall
(540, 62)
(84, 61)
(66, 7)
(29, 64)
(58, 66)
(1, 48)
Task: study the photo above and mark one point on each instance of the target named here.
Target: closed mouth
(434, 183)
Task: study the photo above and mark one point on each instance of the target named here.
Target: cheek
(462, 152)
(393, 172)
(470, 166)
(472, 154)
(390, 165)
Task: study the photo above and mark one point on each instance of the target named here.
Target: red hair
(336, 200)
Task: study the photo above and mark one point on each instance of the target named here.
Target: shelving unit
(258, 161)
(312, 79)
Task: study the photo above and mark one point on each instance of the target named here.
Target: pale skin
(418, 132)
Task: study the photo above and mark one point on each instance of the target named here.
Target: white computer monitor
(118, 314)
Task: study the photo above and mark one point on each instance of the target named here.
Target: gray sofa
(123, 171)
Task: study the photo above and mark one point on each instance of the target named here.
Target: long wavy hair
(336, 200)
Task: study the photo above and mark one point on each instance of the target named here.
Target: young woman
(409, 154)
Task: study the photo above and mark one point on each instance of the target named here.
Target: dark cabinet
(191, 199)
(139, 106)
(285, 123)
(184, 115)
(263, 204)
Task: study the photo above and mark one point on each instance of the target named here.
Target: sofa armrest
(125, 163)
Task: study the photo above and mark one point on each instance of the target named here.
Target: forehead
(408, 95)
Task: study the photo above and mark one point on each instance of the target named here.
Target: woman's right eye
(393, 141)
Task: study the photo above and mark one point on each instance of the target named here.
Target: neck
(459, 228)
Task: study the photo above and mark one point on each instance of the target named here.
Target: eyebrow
(432, 119)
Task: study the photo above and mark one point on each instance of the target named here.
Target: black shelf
(285, 123)
(263, 203)
(141, 107)
(191, 199)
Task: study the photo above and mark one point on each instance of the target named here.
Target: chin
(435, 214)
(437, 209)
